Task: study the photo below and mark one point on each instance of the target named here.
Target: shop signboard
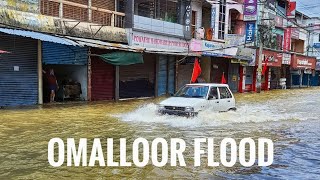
(213, 17)
(303, 62)
(295, 33)
(272, 58)
(286, 59)
(278, 21)
(211, 48)
(247, 54)
(287, 39)
(250, 32)
(250, 10)
(291, 9)
(234, 40)
(195, 45)
(158, 42)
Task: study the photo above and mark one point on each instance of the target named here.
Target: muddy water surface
(291, 118)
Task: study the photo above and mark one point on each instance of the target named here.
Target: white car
(193, 98)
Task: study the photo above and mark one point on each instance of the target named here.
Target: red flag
(264, 69)
(196, 71)
(223, 79)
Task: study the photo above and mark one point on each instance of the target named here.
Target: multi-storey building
(146, 48)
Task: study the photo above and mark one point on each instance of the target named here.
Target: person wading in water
(52, 83)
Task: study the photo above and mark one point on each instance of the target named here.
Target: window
(193, 23)
(193, 91)
(222, 19)
(213, 93)
(165, 10)
(224, 93)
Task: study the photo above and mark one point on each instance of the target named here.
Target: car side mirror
(211, 97)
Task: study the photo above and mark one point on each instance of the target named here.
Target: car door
(213, 99)
(226, 99)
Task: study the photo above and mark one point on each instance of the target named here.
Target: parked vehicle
(193, 98)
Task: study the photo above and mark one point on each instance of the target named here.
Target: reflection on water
(289, 117)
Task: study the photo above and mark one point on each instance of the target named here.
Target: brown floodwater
(291, 118)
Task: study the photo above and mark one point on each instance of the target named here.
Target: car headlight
(189, 109)
(161, 107)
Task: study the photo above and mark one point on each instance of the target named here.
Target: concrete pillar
(60, 9)
(40, 82)
(206, 68)
(89, 92)
(89, 10)
(117, 85)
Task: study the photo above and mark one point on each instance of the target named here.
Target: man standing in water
(52, 83)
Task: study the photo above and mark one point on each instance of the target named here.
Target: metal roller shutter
(184, 74)
(18, 71)
(172, 75)
(162, 75)
(102, 80)
(53, 53)
(138, 80)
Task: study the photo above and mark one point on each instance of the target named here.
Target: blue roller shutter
(53, 53)
(162, 75)
(172, 75)
(18, 71)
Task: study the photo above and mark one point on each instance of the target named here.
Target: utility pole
(259, 70)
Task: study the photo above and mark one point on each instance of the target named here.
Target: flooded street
(291, 118)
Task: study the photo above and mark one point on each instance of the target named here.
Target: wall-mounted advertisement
(291, 10)
(287, 39)
(250, 10)
(250, 32)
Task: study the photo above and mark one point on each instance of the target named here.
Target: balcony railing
(81, 12)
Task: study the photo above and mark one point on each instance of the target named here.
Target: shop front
(271, 69)
(161, 63)
(102, 80)
(166, 72)
(69, 64)
(285, 81)
(138, 80)
(18, 70)
(302, 70)
(247, 70)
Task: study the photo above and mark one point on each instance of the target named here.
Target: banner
(291, 10)
(286, 59)
(295, 33)
(250, 10)
(287, 39)
(250, 32)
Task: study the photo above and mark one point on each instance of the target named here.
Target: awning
(103, 44)
(176, 53)
(39, 36)
(122, 58)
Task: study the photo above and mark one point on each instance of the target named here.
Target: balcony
(80, 10)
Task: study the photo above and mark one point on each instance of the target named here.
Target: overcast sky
(309, 7)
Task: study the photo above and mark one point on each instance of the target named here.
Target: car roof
(208, 84)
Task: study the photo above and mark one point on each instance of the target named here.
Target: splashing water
(247, 112)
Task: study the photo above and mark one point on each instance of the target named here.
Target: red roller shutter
(102, 80)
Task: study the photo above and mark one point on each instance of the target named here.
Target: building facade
(117, 49)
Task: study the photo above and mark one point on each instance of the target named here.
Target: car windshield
(193, 91)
